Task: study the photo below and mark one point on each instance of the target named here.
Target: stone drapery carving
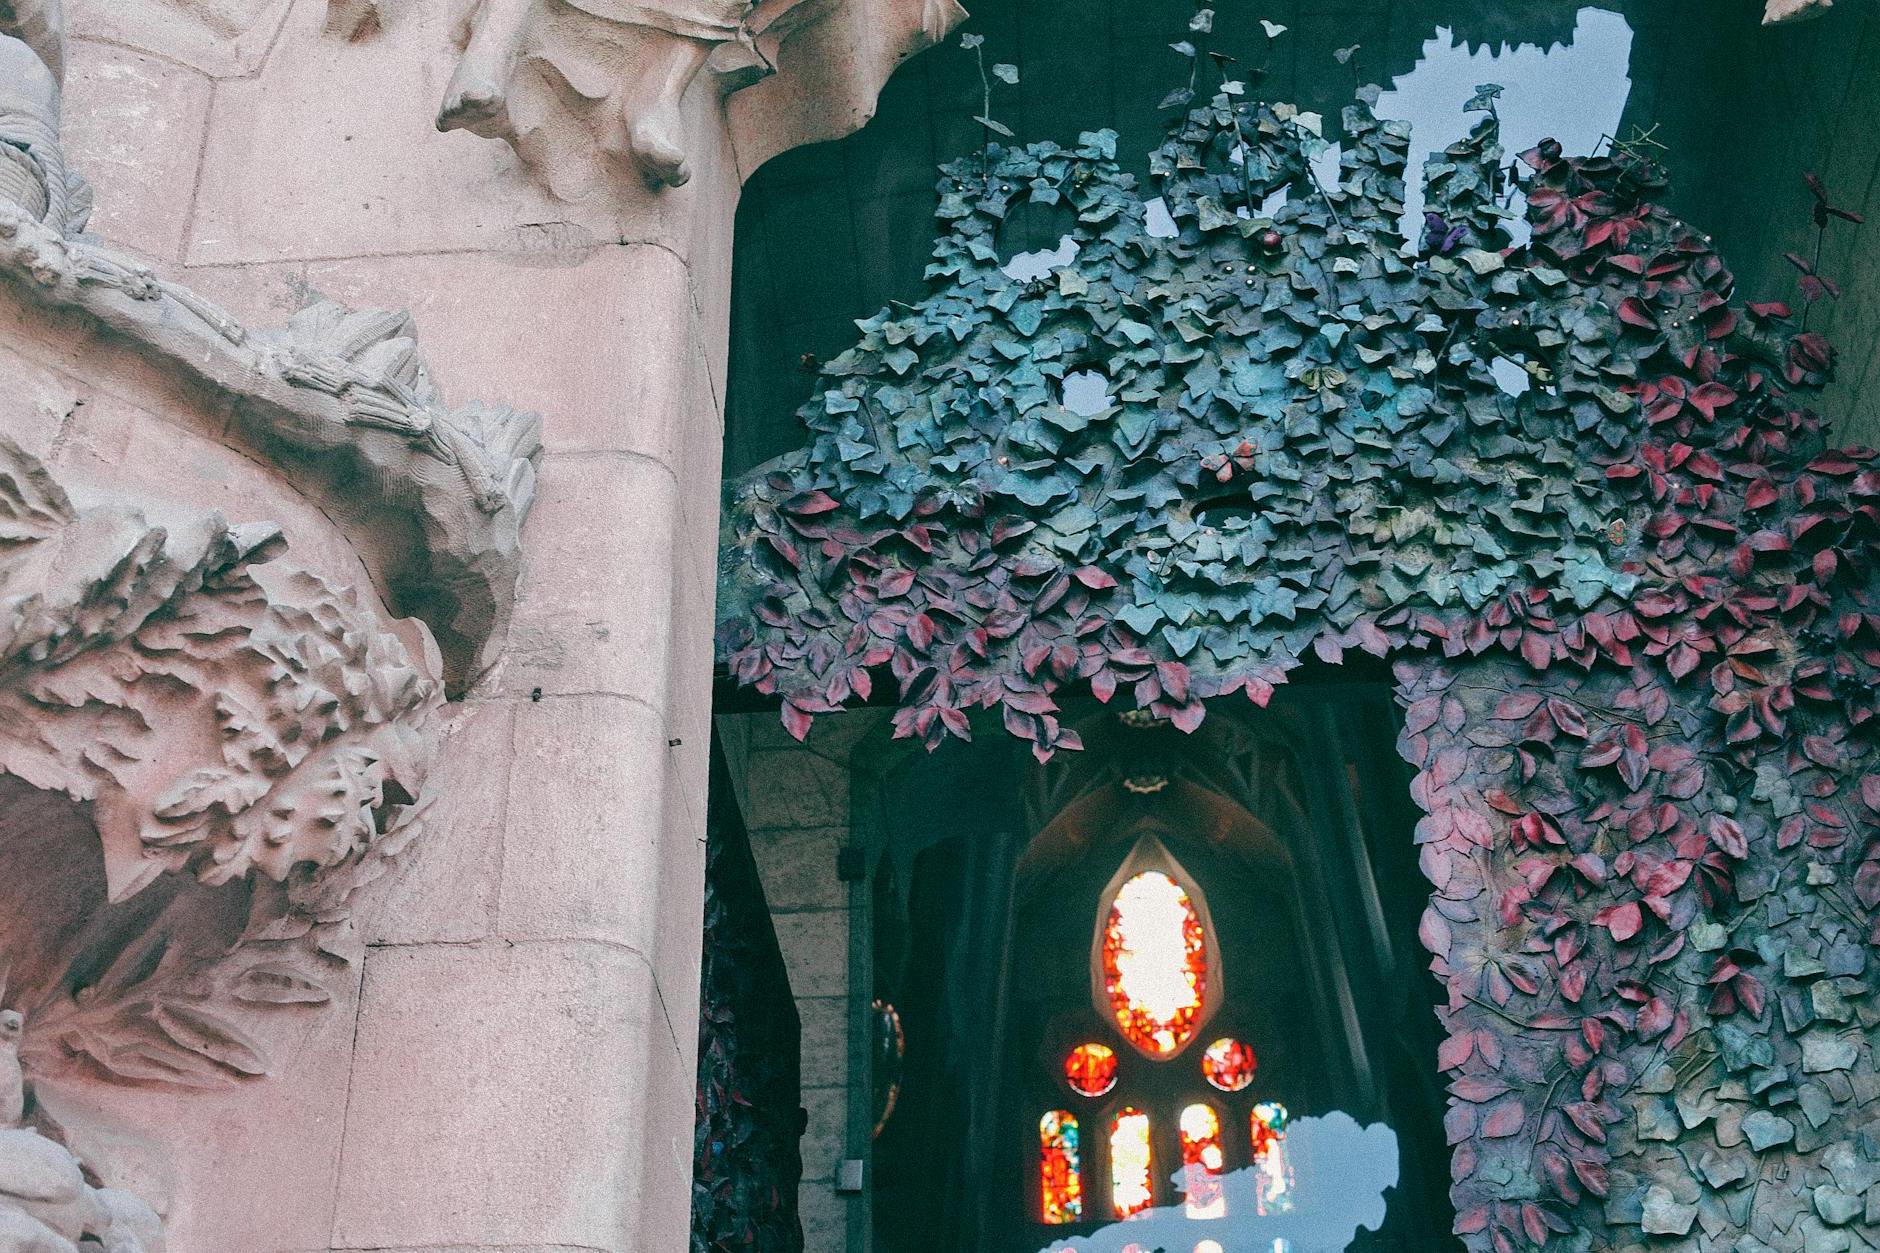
(341, 399)
(33, 172)
(575, 85)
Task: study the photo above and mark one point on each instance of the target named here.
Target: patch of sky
(1030, 265)
(1086, 393)
(1575, 92)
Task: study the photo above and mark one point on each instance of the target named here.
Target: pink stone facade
(505, 1058)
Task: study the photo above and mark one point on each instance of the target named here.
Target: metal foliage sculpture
(1571, 488)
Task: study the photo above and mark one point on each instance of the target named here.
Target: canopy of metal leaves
(1571, 488)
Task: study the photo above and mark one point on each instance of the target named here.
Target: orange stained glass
(1060, 1173)
(1273, 1176)
(1132, 1163)
(1229, 1065)
(1155, 963)
(1202, 1162)
(1091, 1069)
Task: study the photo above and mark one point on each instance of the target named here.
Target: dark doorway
(746, 1161)
(1288, 833)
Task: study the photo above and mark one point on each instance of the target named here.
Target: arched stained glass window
(1202, 1162)
(1060, 1168)
(1273, 1175)
(1132, 1163)
(1155, 963)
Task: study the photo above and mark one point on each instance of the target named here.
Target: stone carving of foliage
(1572, 488)
(248, 744)
(342, 399)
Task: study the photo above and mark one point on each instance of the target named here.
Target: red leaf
(1504, 1120)
(796, 721)
(1592, 1174)
(1624, 921)
(1727, 834)
(1710, 397)
(1633, 312)
(1655, 1019)
(1479, 1088)
(1585, 1116)
(1455, 1050)
(809, 503)
(1567, 718)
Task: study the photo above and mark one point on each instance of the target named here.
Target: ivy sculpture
(1570, 488)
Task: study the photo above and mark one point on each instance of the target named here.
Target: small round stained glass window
(1091, 1069)
(1229, 1064)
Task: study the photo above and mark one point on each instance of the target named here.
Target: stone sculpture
(46, 1205)
(204, 757)
(342, 396)
(634, 117)
(221, 721)
(33, 173)
(547, 76)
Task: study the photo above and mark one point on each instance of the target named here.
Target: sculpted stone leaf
(243, 743)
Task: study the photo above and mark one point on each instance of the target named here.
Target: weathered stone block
(492, 1097)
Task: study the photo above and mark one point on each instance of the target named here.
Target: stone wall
(796, 800)
(512, 1062)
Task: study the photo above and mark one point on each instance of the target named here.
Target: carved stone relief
(33, 173)
(436, 497)
(206, 753)
(46, 1203)
(339, 397)
(577, 86)
(203, 757)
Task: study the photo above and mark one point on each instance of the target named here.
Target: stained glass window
(1229, 1065)
(1273, 1179)
(1091, 1069)
(1132, 1164)
(1060, 1169)
(1202, 1162)
(1155, 963)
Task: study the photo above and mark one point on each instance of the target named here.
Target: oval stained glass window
(1132, 1163)
(1091, 1069)
(1202, 1162)
(1155, 963)
(1229, 1065)
(1060, 1175)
